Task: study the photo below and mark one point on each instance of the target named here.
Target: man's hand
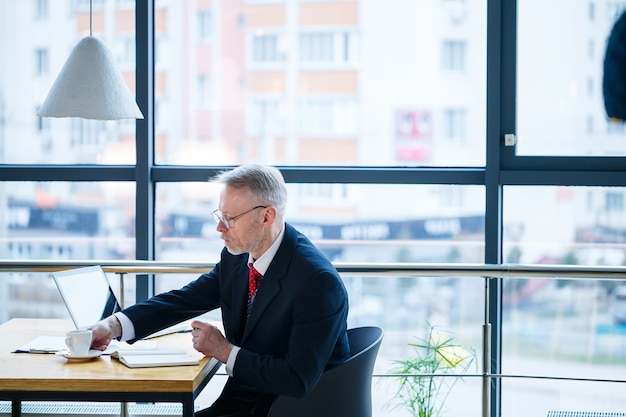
(104, 331)
(209, 340)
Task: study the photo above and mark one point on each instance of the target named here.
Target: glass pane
(564, 225)
(560, 108)
(321, 83)
(438, 223)
(35, 42)
(59, 221)
(524, 397)
(563, 327)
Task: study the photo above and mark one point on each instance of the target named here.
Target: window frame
(502, 167)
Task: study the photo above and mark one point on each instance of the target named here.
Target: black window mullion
(145, 186)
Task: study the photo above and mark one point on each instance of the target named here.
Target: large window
(293, 77)
(388, 121)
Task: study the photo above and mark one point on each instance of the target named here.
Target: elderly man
(284, 306)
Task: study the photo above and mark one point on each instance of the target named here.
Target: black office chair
(343, 391)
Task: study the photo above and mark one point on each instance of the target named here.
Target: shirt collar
(264, 261)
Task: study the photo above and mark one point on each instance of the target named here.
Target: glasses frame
(219, 219)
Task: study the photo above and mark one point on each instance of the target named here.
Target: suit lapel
(240, 299)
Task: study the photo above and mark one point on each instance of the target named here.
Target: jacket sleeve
(172, 307)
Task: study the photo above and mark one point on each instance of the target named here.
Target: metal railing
(362, 268)
(484, 271)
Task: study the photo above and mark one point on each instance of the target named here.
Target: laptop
(88, 296)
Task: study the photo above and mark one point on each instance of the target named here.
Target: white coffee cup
(78, 342)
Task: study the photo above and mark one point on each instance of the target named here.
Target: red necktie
(254, 279)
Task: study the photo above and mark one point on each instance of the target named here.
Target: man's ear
(270, 215)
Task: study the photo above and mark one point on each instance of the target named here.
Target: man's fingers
(197, 324)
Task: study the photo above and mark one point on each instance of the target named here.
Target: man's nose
(221, 227)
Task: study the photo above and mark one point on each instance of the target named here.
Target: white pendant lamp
(90, 86)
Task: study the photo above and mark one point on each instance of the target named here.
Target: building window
(268, 48)
(43, 124)
(614, 201)
(615, 9)
(322, 194)
(328, 47)
(204, 90)
(126, 51)
(267, 117)
(42, 61)
(205, 26)
(328, 117)
(86, 4)
(87, 134)
(453, 56)
(41, 9)
(455, 124)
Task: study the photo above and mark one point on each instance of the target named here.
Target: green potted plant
(423, 393)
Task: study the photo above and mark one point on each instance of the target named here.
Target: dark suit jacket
(297, 326)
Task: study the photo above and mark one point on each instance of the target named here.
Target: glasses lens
(217, 216)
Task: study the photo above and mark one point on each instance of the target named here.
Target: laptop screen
(87, 294)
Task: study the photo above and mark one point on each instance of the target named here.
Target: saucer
(94, 353)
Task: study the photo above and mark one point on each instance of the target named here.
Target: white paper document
(43, 344)
(54, 344)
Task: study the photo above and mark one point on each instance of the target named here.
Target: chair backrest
(343, 391)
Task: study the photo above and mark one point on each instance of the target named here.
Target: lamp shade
(90, 86)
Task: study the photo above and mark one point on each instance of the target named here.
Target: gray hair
(265, 182)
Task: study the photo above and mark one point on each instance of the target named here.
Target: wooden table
(50, 377)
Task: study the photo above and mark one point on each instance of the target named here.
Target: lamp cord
(90, 17)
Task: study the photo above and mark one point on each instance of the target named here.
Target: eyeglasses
(226, 221)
